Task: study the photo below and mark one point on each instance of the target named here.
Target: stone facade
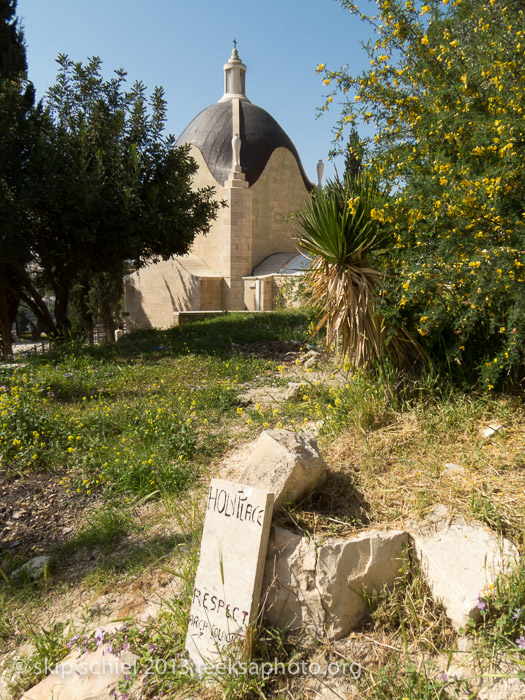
(260, 193)
(156, 292)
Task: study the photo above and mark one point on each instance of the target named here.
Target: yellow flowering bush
(445, 92)
(25, 431)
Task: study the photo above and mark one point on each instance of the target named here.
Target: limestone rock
(311, 363)
(286, 464)
(503, 689)
(312, 354)
(84, 677)
(294, 391)
(319, 589)
(452, 469)
(347, 567)
(34, 568)
(291, 599)
(460, 562)
(491, 429)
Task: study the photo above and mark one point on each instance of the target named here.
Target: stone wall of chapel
(214, 247)
(278, 192)
(155, 292)
(212, 294)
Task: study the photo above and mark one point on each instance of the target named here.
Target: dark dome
(211, 132)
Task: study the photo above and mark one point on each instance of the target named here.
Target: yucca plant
(341, 233)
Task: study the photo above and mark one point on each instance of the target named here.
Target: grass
(409, 611)
(143, 425)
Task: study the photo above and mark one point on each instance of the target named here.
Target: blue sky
(182, 45)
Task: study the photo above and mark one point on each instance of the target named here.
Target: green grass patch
(133, 418)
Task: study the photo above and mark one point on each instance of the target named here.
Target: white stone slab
(461, 562)
(229, 575)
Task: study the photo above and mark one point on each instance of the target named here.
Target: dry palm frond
(340, 233)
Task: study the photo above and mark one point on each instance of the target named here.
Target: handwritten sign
(229, 575)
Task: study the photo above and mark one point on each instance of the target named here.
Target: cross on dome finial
(234, 77)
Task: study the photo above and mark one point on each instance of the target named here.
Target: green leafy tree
(444, 91)
(109, 187)
(97, 299)
(16, 100)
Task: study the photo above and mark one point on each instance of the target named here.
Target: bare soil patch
(37, 514)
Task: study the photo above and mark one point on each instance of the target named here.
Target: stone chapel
(239, 265)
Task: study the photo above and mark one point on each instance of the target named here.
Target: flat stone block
(230, 571)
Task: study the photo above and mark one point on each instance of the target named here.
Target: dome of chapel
(211, 131)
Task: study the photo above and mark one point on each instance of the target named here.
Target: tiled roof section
(211, 132)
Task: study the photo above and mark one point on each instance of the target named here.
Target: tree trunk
(63, 323)
(107, 320)
(44, 318)
(8, 306)
(5, 324)
(32, 297)
(84, 312)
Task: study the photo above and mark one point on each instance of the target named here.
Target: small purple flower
(108, 649)
(125, 647)
(99, 636)
(151, 648)
(481, 605)
(521, 642)
(72, 641)
(516, 614)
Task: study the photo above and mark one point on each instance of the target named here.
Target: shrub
(445, 93)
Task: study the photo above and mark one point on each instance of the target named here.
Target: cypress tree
(13, 61)
(353, 156)
(16, 101)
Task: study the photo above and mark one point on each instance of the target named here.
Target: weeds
(105, 526)
(502, 614)
(145, 419)
(402, 680)
(49, 648)
(409, 610)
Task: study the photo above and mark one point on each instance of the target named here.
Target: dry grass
(386, 453)
(394, 474)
